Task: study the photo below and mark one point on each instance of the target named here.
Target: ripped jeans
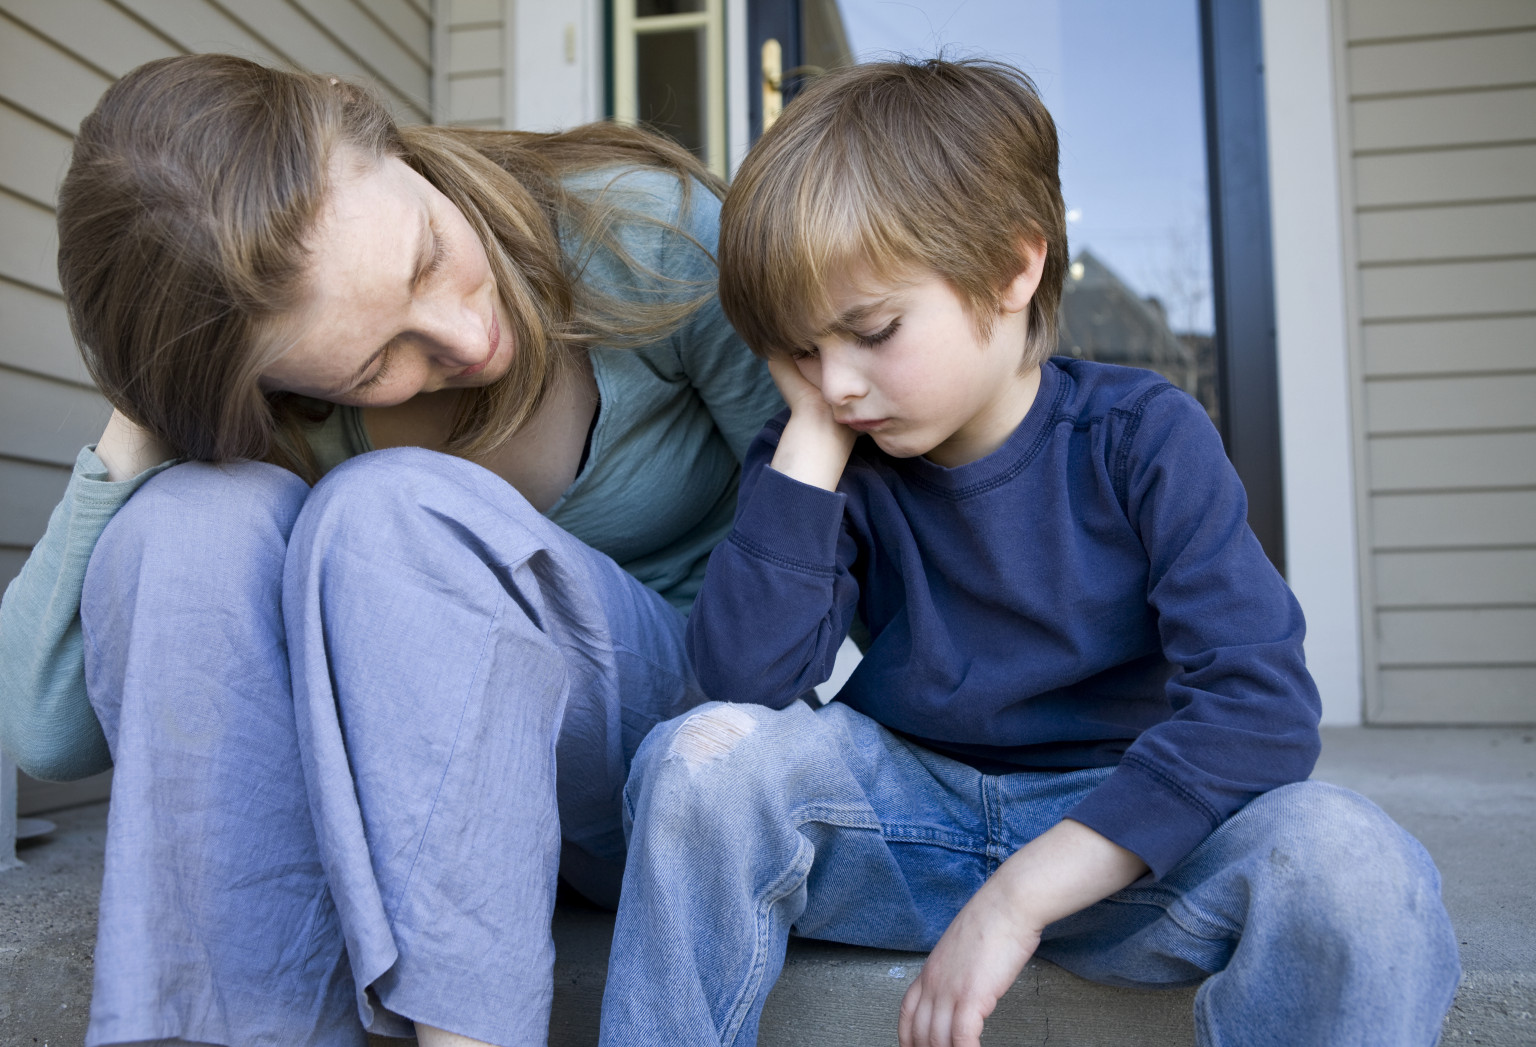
(1308, 917)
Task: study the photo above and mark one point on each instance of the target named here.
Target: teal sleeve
(732, 381)
(46, 722)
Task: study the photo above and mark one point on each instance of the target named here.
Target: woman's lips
(495, 340)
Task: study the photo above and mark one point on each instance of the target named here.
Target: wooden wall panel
(94, 31)
(33, 158)
(11, 559)
(1450, 346)
(1443, 64)
(1440, 158)
(1456, 578)
(1449, 403)
(31, 492)
(1501, 172)
(1394, 19)
(28, 244)
(1475, 636)
(41, 78)
(1436, 121)
(1456, 231)
(1454, 462)
(1451, 289)
(1460, 519)
(35, 334)
(1460, 695)
(47, 420)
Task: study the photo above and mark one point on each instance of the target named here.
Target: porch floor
(1468, 793)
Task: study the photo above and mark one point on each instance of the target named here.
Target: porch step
(1468, 794)
(845, 996)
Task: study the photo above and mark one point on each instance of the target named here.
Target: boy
(1084, 680)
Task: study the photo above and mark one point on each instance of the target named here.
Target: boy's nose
(840, 382)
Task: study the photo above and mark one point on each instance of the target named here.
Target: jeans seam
(795, 875)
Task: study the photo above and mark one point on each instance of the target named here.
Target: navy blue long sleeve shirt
(1089, 594)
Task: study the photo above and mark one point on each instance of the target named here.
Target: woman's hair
(182, 242)
(880, 169)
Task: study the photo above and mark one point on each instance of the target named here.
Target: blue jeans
(356, 730)
(1309, 917)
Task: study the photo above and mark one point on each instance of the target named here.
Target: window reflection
(1123, 80)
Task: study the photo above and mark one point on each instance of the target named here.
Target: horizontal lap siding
(472, 61)
(1442, 168)
(56, 58)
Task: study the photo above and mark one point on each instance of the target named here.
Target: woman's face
(400, 297)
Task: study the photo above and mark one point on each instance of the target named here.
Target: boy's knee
(719, 756)
(711, 734)
(1345, 859)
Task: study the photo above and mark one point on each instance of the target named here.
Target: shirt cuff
(1148, 814)
(792, 523)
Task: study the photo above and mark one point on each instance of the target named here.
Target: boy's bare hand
(975, 962)
(814, 448)
(1063, 870)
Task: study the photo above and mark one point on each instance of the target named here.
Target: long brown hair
(182, 226)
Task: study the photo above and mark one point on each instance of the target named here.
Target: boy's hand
(814, 448)
(976, 961)
(1065, 869)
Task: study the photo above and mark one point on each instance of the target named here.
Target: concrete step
(1468, 794)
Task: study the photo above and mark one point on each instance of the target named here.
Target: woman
(336, 713)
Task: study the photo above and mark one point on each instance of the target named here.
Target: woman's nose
(457, 334)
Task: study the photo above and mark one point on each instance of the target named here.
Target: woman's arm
(46, 722)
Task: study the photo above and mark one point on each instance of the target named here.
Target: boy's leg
(1317, 917)
(749, 821)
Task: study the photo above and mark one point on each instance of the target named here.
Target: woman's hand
(1065, 869)
(814, 448)
(127, 450)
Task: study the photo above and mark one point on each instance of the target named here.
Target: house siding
(55, 61)
(1439, 134)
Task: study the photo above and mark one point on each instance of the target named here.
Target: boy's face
(903, 362)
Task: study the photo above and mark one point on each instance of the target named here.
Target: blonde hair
(876, 170)
(182, 225)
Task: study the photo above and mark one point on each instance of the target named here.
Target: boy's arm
(778, 595)
(1243, 708)
(1064, 870)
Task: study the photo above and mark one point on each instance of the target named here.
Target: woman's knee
(197, 529)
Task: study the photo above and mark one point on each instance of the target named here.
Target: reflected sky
(1122, 78)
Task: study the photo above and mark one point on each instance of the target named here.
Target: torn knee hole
(706, 737)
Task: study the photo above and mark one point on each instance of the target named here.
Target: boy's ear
(1019, 291)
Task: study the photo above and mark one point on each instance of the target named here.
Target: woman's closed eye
(439, 256)
(377, 378)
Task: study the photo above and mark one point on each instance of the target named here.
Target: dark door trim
(1242, 259)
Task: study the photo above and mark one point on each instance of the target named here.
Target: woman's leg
(1317, 917)
(216, 925)
(450, 649)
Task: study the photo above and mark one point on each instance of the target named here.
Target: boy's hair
(879, 169)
